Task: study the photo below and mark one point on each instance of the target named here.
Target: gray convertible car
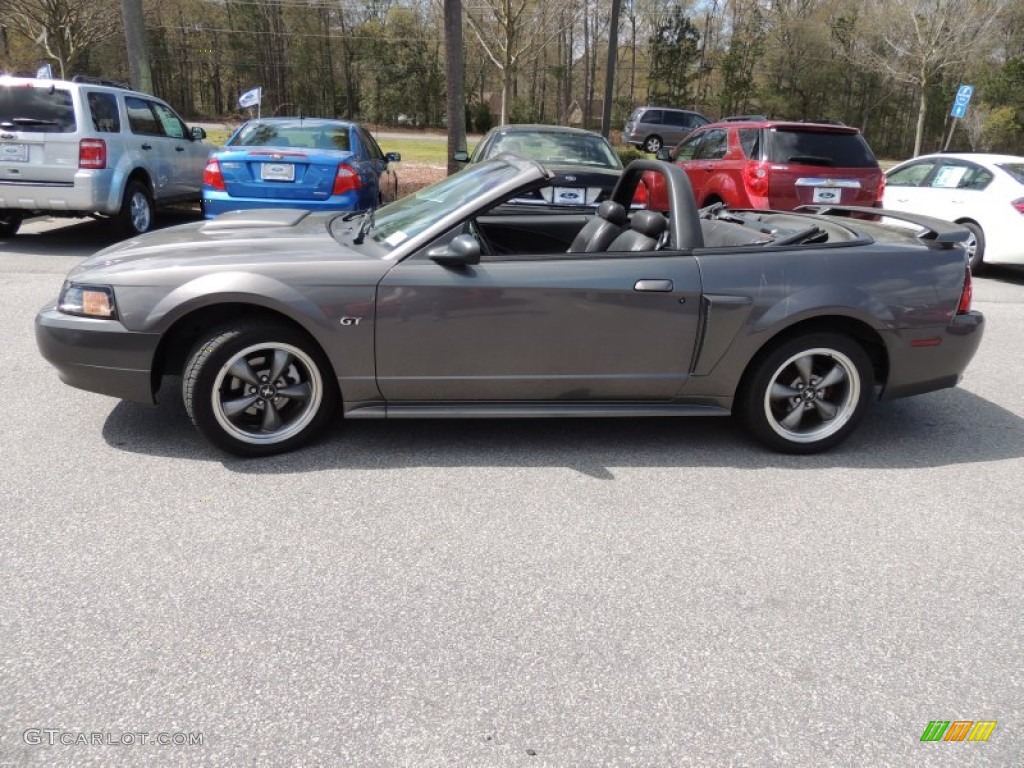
(446, 305)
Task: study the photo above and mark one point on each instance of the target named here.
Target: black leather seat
(643, 234)
(598, 233)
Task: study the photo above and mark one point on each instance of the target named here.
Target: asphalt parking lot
(535, 593)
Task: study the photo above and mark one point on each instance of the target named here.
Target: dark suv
(760, 163)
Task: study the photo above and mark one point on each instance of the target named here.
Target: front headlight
(88, 301)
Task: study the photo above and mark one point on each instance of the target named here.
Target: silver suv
(86, 147)
(652, 128)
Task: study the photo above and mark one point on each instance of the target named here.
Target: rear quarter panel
(901, 291)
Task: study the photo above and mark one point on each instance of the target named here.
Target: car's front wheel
(652, 144)
(136, 215)
(259, 388)
(807, 394)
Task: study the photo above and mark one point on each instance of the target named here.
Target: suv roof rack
(100, 81)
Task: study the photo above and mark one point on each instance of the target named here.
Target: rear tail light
(755, 179)
(1018, 204)
(966, 295)
(92, 153)
(881, 188)
(346, 180)
(640, 197)
(212, 177)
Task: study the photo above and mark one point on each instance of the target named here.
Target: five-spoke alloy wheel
(808, 394)
(259, 389)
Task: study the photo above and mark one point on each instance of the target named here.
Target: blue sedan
(297, 162)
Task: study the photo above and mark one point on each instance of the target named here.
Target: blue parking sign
(963, 98)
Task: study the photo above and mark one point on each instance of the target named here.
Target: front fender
(236, 287)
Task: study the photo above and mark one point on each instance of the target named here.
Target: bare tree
(510, 32)
(917, 42)
(64, 29)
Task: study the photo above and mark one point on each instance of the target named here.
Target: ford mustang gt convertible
(444, 304)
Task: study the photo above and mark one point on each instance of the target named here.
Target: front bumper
(98, 355)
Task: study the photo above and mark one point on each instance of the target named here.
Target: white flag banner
(250, 98)
(44, 73)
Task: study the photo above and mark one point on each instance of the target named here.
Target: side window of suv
(677, 119)
(103, 108)
(749, 142)
(714, 146)
(687, 149)
(170, 122)
(652, 116)
(141, 118)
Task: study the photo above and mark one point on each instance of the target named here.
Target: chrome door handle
(658, 286)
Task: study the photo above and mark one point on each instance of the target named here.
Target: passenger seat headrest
(612, 212)
(649, 223)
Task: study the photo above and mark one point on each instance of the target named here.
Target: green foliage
(522, 111)
(629, 154)
(1001, 131)
(483, 120)
(675, 52)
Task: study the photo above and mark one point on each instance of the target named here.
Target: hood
(236, 240)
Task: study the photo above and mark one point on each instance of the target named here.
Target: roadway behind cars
(614, 593)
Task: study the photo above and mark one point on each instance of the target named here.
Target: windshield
(1014, 169)
(44, 110)
(405, 218)
(294, 133)
(559, 148)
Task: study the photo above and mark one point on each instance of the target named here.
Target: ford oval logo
(570, 178)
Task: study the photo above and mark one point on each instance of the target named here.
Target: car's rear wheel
(10, 223)
(975, 246)
(652, 144)
(259, 388)
(807, 394)
(136, 215)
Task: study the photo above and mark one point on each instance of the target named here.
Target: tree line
(889, 67)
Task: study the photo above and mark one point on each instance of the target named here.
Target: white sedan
(984, 193)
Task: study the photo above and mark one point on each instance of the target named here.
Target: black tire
(259, 388)
(807, 394)
(975, 246)
(652, 144)
(136, 214)
(10, 223)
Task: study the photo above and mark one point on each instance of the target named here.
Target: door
(147, 142)
(187, 158)
(713, 146)
(567, 327)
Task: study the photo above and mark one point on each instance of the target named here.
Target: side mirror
(664, 154)
(198, 134)
(393, 157)
(462, 251)
(461, 156)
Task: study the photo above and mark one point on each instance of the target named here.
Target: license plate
(570, 196)
(14, 153)
(277, 172)
(827, 195)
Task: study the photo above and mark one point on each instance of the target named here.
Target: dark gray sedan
(447, 304)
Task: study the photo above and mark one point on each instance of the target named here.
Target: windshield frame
(403, 226)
